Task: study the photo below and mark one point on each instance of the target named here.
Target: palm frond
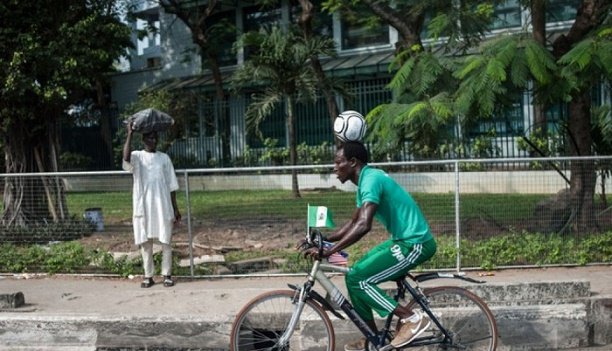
(540, 61)
(442, 106)
(262, 106)
(580, 55)
(430, 70)
(472, 63)
(496, 70)
(519, 72)
(403, 74)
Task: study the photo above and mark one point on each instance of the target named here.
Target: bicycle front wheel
(262, 321)
(466, 318)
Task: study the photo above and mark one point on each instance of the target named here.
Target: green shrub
(43, 232)
(518, 248)
(68, 257)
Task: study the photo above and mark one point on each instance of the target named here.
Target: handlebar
(314, 239)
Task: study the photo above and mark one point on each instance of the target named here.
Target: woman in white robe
(155, 210)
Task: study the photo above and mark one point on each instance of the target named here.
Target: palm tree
(278, 66)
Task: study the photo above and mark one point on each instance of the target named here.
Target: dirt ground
(220, 237)
(209, 238)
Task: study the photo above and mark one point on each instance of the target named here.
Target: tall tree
(278, 67)
(434, 91)
(305, 21)
(50, 53)
(423, 85)
(209, 36)
(460, 23)
(565, 71)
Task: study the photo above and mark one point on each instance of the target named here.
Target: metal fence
(247, 220)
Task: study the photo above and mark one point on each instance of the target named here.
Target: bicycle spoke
(264, 320)
(464, 316)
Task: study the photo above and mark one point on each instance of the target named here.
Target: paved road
(80, 295)
(208, 301)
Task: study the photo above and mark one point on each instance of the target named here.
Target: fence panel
(248, 220)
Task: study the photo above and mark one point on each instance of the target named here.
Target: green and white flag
(320, 217)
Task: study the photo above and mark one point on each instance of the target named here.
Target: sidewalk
(211, 303)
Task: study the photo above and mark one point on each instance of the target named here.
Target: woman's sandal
(168, 282)
(147, 283)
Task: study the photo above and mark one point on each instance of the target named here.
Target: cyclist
(410, 244)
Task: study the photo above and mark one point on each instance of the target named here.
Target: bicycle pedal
(386, 348)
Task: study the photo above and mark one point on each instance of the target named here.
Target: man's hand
(301, 245)
(177, 217)
(313, 253)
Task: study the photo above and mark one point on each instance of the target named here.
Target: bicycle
(298, 318)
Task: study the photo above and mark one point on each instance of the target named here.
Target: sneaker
(358, 345)
(410, 330)
(168, 282)
(147, 283)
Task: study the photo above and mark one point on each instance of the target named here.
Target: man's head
(349, 159)
(150, 141)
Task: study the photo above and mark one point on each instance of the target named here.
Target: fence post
(457, 218)
(188, 204)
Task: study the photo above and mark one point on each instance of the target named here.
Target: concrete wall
(524, 182)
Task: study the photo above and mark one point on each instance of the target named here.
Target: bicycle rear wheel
(263, 320)
(465, 316)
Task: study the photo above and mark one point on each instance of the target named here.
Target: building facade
(168, 59)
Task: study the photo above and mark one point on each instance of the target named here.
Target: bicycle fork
(300, 301)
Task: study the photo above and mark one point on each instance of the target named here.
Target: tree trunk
(105, 121)
(583, 176)
(538, 22)
(295, 189)
(32, 199)
(408, 25)
(221, 110)
(198, 28)
(305, 22)
(14, 187)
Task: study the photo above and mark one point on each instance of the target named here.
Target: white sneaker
(410, 330)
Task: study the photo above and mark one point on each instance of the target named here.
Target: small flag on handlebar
(320, 217)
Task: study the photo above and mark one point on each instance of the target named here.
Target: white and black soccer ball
(350, 126)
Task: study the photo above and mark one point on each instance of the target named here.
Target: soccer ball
(350, 126)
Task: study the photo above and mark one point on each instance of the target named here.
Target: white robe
(154, 180)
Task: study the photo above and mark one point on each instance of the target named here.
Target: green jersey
(397, 210)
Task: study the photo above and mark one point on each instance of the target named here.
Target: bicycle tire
(464, 315)
(262, 321)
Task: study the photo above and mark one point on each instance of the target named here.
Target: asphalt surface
(119, 305)
(65, 295)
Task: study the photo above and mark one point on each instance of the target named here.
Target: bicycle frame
(317, 274)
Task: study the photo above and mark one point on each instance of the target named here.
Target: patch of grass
(248, 204)
(518, 248)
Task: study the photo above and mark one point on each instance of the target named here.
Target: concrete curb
(530, 316)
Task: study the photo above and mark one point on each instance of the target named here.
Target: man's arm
(177, 213)
(353, 231)
(127, 147)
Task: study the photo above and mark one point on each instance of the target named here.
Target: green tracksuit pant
(386, 262)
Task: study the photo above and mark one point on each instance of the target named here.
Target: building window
(255, 17)
(507, 15)
(151, 39)
(223, 32)
(355, 35)
(561, 10)
(153, 62)
(506, 122)
(322, 23)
